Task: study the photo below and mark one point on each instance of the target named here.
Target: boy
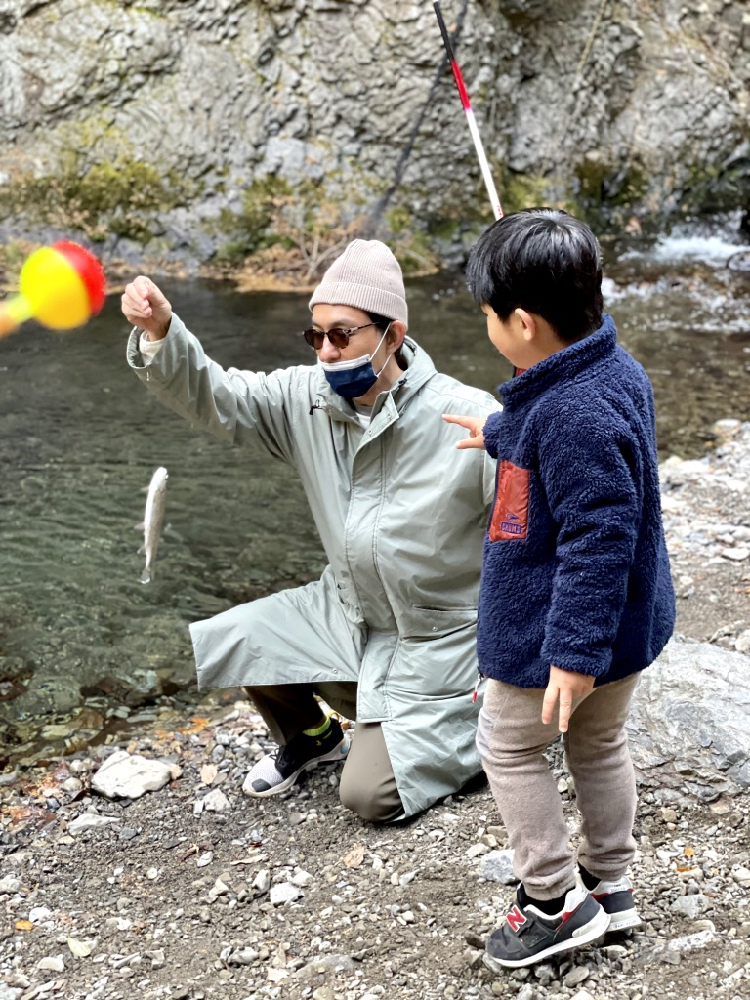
(576, 595)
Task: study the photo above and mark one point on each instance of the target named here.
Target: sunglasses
(338, 336)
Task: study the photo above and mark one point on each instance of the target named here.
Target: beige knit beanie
(366, 276)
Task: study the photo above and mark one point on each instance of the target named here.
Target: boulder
(690, 721)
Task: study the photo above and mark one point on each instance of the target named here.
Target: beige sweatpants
(368, 784)
(512, 739)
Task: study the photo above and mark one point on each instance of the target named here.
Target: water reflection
(80, 438)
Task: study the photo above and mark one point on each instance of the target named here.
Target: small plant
(124, 197)
(292, 235)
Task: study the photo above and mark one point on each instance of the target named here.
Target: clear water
(80, 438)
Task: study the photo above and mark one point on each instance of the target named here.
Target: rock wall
(190, 126)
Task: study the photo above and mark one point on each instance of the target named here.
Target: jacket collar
(561, 366)
(419, 369)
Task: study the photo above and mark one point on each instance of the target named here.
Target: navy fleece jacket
(575, 569)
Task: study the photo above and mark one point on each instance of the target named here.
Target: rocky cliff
(207, 130)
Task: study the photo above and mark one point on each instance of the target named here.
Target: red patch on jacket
(510, 515)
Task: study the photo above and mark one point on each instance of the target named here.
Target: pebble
(301, 879)
(545, 973)
(90, 821)
(576, 976)
(691, 906)
(53, 963)
(283, 892)
(216, 801)
(497, 866)
(123, 775)
(262, 881)
(242, 956)
(737, 554)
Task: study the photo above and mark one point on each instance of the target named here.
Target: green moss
(712, 188)
(124, 197)
(444, 229)
(415, 253)
(604, 185)
(519, 191)
(251, 229)
(12, 257)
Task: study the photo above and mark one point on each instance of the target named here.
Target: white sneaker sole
(339, 752)
(622, 920)
(590, 932)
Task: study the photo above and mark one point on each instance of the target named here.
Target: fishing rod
(484, 166)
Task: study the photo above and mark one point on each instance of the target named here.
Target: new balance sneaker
(279, 769)
(616, 899)
(530, 936)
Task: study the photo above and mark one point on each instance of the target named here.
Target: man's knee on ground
(369, 802)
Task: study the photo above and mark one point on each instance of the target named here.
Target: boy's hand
(566, 686)
(475, 425)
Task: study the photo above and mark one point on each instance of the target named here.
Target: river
(80, 438)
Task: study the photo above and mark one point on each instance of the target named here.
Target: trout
(153, 521)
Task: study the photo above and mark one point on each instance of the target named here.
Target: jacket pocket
(418, 624)
(510, 514)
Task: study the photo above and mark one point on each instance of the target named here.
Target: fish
(153, 521)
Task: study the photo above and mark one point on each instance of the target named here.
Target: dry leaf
(24, 925)
(81, 949)
(197, 724)
(355, 857)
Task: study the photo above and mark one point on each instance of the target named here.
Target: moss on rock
(124, 197)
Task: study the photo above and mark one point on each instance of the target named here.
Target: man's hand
(146, 307)
(566, 686)
(475, 426)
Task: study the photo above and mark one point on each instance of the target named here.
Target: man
(387, 635)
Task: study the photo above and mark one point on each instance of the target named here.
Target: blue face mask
(355, 377)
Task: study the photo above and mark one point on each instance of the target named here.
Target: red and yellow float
(61, 287)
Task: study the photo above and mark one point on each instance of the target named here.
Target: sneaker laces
(278, 756)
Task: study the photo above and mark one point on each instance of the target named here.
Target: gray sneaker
(530, 936)
(279, 769)
(616, 899)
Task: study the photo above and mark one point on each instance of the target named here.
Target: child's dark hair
(544, 261)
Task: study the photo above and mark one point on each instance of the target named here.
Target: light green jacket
(401, 515)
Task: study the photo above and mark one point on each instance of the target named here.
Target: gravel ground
(194, 891)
